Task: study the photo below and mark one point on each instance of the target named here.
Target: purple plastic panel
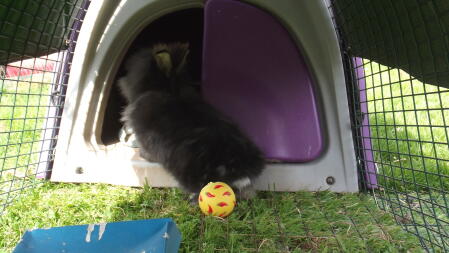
(254, 73)
(370, 167)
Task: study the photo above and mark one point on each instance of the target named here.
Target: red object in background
(31, 66)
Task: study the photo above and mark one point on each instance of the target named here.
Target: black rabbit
(175, 127)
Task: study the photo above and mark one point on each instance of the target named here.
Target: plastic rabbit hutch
(340, 95)
(287, 94)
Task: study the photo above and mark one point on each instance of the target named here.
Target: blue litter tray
(155, 236)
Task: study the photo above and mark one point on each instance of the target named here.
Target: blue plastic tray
(156, 236)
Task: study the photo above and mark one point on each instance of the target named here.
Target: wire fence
(302, 222)
(37, 40)
(396, 56)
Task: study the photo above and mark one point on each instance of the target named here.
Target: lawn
(24, 103)
(409, 129)
(273, 222)
(408, 122)
(409, 134)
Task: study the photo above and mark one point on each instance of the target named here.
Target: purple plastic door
(254, 73)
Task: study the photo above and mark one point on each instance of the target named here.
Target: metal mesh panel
(396, 55)
(37, 40)
(300, 222)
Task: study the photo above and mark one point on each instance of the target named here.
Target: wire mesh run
(396, 55)
(301, 222)
(37, 40)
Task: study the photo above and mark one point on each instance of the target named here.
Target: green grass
(408, 122)
(30, 96)
(406, 118)
(420, 213)
(23, 105)
(299, 222)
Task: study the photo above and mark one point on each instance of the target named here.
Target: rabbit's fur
(175, 127)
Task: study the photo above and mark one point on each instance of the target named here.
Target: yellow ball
(217, 199)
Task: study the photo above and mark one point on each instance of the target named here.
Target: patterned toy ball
(217, 199)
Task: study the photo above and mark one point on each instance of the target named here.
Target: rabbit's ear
(181, 55)
(164, 62)
(171, 59)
